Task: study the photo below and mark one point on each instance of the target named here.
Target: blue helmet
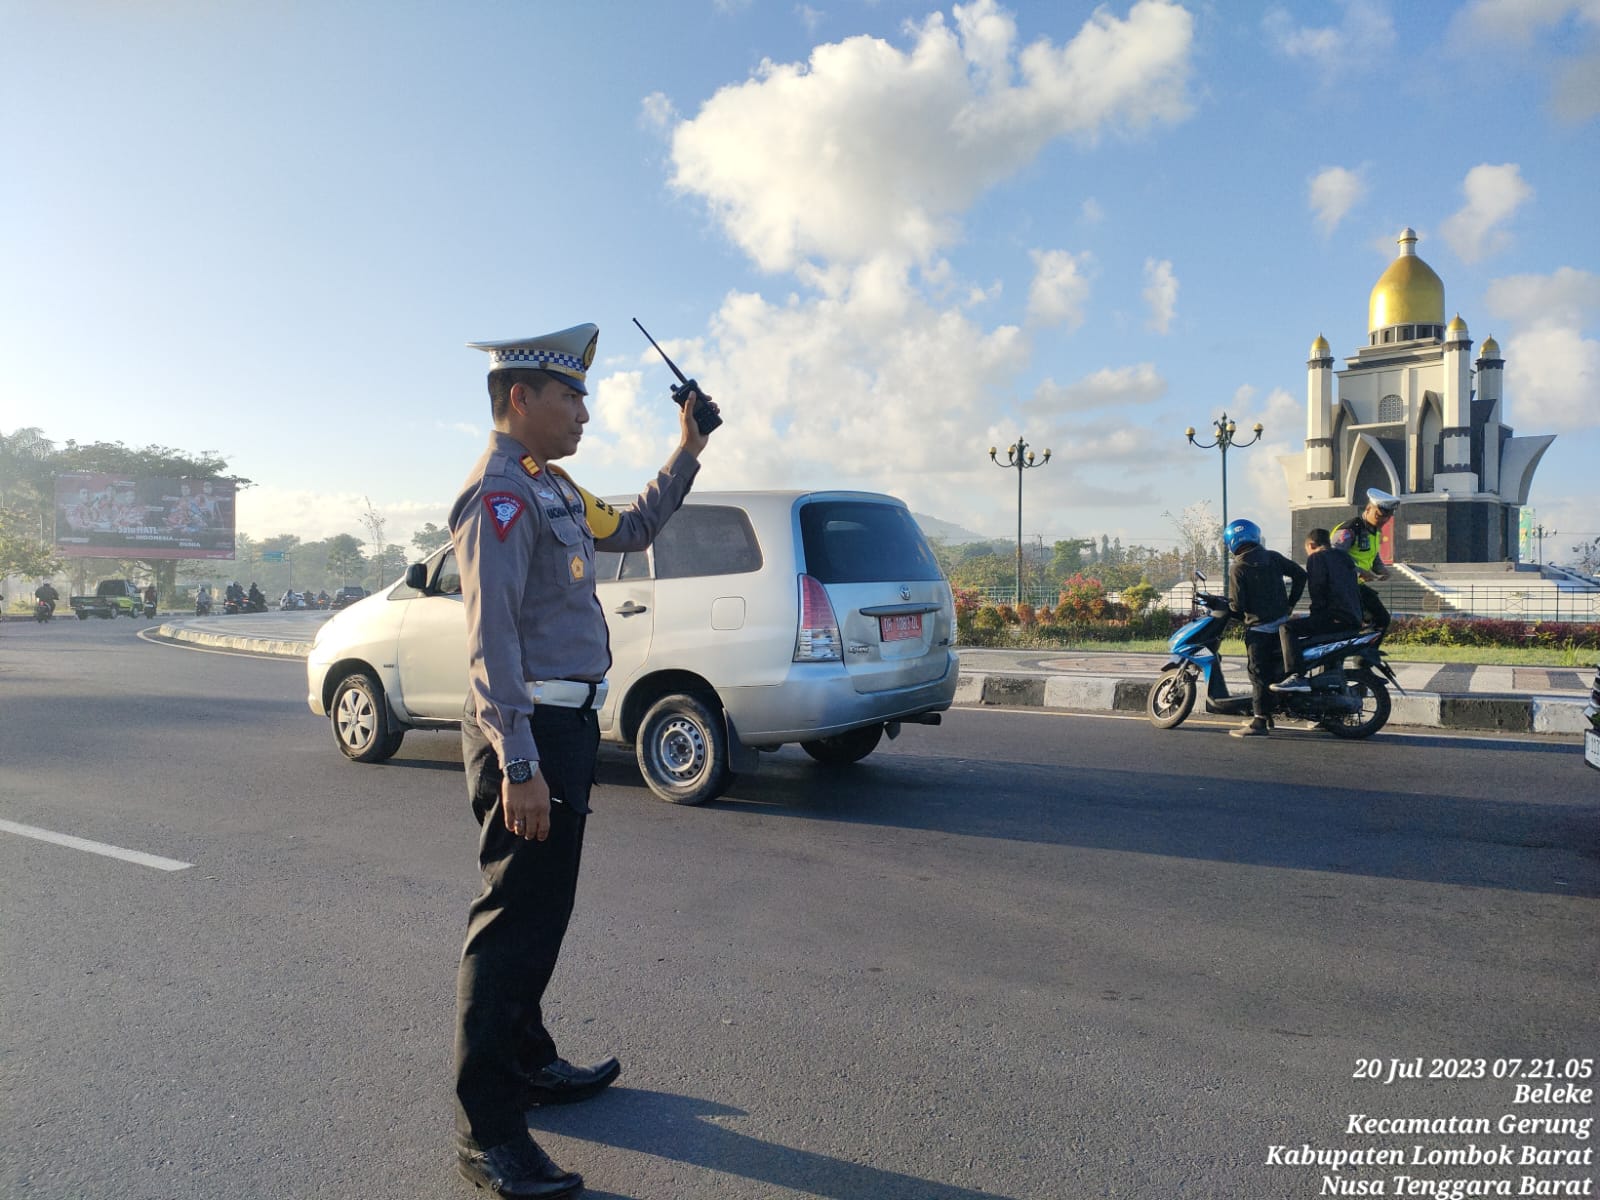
(1239, 534)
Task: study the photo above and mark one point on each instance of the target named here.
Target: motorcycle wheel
(1171, 698)
(1373, 694)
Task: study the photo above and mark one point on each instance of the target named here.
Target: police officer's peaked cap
(1384, 501)
(567, 353)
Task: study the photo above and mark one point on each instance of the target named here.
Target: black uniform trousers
(516, 925)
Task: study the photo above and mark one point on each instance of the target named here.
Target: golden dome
(1490, 348)
(1457, 325)
(1320, 347)
(1408, 293)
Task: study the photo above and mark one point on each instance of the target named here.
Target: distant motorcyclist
(256, 599)
(1335, 601)
(1365, 550)
(202, 600)
(47, 595)
(1256, 576)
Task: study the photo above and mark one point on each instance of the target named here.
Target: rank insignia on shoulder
(528, 465)
(577, 566)
(504, 509)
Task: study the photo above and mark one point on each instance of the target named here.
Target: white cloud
(1552, 369)
(1059, 289)
(1160, 293)
(1365, 34)
(1560, 37)
(1092, 211)
(866, 149)
(1333, 193)
(1260, 493)
(1575, 94)
(810, 17)
(656, 111)
(1109, 386)
(1493, 194)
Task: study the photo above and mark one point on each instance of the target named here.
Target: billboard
(118, 516)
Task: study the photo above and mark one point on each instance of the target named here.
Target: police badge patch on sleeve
(504, 509)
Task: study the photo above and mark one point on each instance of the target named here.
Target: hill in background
(948, 532)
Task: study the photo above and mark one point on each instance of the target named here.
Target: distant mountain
(945, 531)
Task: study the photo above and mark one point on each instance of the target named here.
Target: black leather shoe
(518, 1169)
(559, 1082)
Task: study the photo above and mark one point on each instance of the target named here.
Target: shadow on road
(1389, 831)
(689, 1130)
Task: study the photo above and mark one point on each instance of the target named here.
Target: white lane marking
(78, 843)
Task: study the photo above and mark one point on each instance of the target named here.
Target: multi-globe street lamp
(1019, 456)
(1224, 441)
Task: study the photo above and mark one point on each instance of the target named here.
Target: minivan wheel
(359, 716)
(682, 747)
(842, 749)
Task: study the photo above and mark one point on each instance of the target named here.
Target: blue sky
(885, 236)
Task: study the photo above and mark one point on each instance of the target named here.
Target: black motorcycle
(202, 606)
(43, 610)
(1348, 696)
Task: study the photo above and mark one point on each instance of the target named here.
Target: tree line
(30, 462)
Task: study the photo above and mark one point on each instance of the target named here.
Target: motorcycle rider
(47, 595)
(202, 600)
(1335, 602)
(1256, 576)
(1367, 530)
(257, 600)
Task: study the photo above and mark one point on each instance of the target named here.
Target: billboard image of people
(114, 516)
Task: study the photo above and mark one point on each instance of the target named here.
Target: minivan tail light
(818, 636)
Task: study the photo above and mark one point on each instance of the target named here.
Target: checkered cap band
(544, 360)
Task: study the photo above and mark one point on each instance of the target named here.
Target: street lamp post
(1020, 457)
(1225, 439)
(1540, 531)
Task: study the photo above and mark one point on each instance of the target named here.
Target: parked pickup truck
(111, 597)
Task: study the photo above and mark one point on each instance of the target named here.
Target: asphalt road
(1024, 955)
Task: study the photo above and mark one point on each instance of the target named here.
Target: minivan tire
(682, 748)
(360, 719)
(842, 749)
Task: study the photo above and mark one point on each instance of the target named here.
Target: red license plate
(900, 629)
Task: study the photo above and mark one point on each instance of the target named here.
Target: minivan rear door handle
(899, 610)
(630, 609)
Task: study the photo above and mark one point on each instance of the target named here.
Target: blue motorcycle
(1348, 695)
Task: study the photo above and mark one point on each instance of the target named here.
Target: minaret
(1457, 475)
(1491, 379)
(1319, 422)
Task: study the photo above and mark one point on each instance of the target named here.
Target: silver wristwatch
(521, 770)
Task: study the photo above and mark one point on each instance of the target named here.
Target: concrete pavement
(1460, 696)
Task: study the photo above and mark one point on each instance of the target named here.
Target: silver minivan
(756, 619)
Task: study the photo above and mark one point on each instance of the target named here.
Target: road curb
(277, 647)
(1097, 693)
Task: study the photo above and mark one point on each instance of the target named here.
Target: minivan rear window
(706, 539)
(857, 541)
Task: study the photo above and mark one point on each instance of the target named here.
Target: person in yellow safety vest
(1368, 531)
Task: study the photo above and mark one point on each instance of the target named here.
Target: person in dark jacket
(1256, 576)
(1335, 601)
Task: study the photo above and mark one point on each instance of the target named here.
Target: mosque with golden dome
(1412, 414)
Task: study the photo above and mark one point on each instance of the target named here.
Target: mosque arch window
(1391, 410)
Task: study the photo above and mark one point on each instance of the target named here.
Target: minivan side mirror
(417, 577)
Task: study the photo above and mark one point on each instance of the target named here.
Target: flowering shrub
(1082, 599)
(1008, 615)
(1026, 616)
(967, 601)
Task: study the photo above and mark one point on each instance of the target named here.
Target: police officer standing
(538, 652)
(1367, 531)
